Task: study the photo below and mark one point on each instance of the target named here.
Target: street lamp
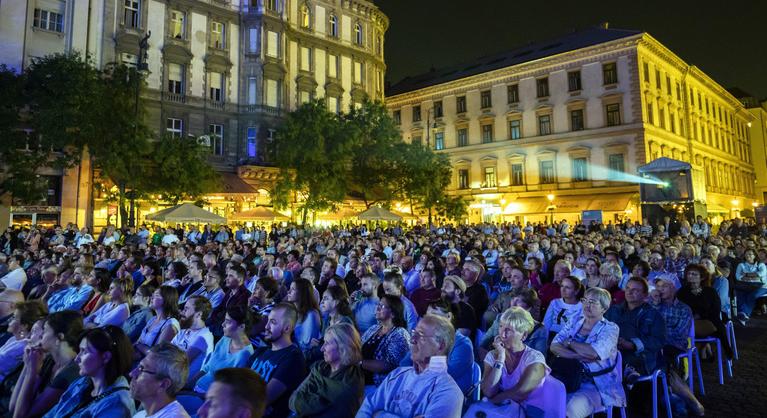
(551, 206)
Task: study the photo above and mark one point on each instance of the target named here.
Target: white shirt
(15, 279)
(109, 314)
(201, 339)
(171, 410)
(169, 239)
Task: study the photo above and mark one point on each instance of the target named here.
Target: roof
(664, 164)
(533, 51)
(231, 183)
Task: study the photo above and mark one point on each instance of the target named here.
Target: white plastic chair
(609, 410)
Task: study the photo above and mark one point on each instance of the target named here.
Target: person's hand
(624, 344)
(315, 342)
(33, 358)
(500, 350)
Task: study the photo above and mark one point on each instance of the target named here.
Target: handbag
(748, 285)
(571, 372)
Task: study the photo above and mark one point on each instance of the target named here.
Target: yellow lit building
(561, 126)
(758, 136)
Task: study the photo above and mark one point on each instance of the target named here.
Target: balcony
(174, 97)
(267, 110)
(217, 105)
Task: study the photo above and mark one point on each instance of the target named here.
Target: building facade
(757, 131)
(559, 127)
(227, 71)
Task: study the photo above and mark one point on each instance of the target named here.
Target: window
(273, 93)
(358, 34)
(252, 40)
(574, 81)
(333, 26)
(251, 141)
(397, 116)
(672, 121)
(544, 124)
(615, 165)
(438, 109)
(513, 93)
(517, 174)
(460, 104)
(306, 59)
(304, 97)
(486, 99)
(132, 13)
(175, 78)
(358, 72)
(416, 113)
(613, 111)
(463, 178)
(515, 129)
(547, 172)
(662, 117)
(417, 139)
(609, 73)
(463, 137)
(576, 120)
(487, 133)
(48, 20)
(332, 66)
(271, 5)
(334, 105)
(646, 72)
(678, 91)
(668, 85)
(657, 79)
(252, 90)
(217, 37)
(542, 87)
(216, 133)
(273, 44)
(216, 86)
(490, 178)
(177, 19)
(305, 17)
(650, 115)
(439, 140)
(174, 127)
(129, 60)
(580, 169)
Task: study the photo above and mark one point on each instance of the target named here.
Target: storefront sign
(35, 209)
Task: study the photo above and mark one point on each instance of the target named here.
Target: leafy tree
(425, 176)
(374, 166)
(313, 150)
(453, 207)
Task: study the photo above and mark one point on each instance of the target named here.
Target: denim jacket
(604, 339)
(118, 404)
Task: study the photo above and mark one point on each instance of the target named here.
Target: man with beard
(282, 365)
(453, 290)
(70, 292)
(365, 301)
(195, 338)
(235, 294)
(156, 381)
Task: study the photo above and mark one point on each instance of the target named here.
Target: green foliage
(177, 169)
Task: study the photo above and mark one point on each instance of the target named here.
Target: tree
(313, 150)
(374, 165)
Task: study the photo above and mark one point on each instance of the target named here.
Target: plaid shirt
(676, 266)
(678, 318)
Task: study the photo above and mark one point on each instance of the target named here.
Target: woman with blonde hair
(335, 385)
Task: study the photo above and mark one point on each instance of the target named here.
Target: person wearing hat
(453, 291)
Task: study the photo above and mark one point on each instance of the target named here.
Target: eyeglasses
(141, 370)
(417, 336)
(589, 301)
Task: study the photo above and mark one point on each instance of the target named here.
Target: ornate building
(226, 70)
(561, 126)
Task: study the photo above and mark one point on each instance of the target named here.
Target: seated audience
(235, 393)
(308, 324)
(140, 313)
(160, 375)
(385, 344)
(24, 317)
(116, 311)
(565, 309)
(164, 326)
(195, 339)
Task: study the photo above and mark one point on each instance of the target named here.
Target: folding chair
(609, 410)
(654, 378)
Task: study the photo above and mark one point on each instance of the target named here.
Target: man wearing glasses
(156, 381)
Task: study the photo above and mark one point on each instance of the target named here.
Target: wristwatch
(498, 365)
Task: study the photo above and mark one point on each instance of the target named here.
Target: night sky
(726, 39)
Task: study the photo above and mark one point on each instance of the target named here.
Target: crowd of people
(483, 320)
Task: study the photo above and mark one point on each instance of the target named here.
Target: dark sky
(726, 39)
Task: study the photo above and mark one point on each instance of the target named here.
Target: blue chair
(609, 410)
(191, 402)
(476, 379)
(654, 378)
(730, 328)
(718, 342)
(693, 360)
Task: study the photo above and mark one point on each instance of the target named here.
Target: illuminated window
(252, 143)
(490, 177)
(580, 169)
(216, 86)
(515, 129)
(333, 25)
(305, 17)
(439, 141)
(358, 34)
(175, 78)
(463, 178)
(177, 24)
(217, 35)
(547, 172)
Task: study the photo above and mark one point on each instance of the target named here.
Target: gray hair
(443, 330)
(348, 341)
(602, 295)
(172, 363)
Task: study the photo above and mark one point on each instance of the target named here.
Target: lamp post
(141, 66)
(550, 196)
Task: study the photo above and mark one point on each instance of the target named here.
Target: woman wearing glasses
(102, 391)
(386, 343)
(593, 341)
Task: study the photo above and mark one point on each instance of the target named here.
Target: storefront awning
(615, 202)
(713, 207)
(526, 206)
(571, 204)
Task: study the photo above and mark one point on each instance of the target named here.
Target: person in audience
(565, 309)
(703, 300)
(116, 311)
(16, 277)
(99, 280)
(512, 370)
(8, 300)
(393, 285)
(425, 389)
(749, 270)
(593, 341)
(385, 344)
(335, 386)
(25, 315)
(192, 283)
(157, 379)
(537, 339)
(141, 313)
(235, 393)
(104, 359)
(515, 280)
(42, 382)
(282, 365)
(552, 290)
(427, 292)
(69, 292)
(232, 350)
(164, 326)
(309, 323)
(195, 339)
(678, 319)
(461, 357)
(476, 294)
(211, 289)
(454, 291)
(234, 294)
(365, 301)
(174, 272)
(261, 302)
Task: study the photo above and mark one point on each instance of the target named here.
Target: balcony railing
(269, 110)
(174, 97)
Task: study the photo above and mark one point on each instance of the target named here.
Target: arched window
(333, 26)
(305, 16)
(358, 34)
